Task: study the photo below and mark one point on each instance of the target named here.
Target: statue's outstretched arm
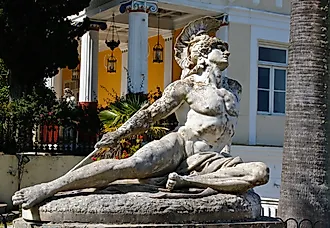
(172, 98)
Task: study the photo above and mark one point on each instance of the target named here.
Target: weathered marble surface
(137, 204)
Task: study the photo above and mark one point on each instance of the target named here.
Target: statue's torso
(206, 124)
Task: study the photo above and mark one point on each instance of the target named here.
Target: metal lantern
(76, 74)
(158, 49)
(158, 53)
(112, 64)
(112, 44)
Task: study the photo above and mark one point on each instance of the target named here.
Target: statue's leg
(239, 178)
(159, 157)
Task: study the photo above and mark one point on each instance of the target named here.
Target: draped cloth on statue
(198, 164)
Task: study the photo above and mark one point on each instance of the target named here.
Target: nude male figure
(206, 105)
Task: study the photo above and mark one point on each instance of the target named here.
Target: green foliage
(120, 110)
(40, 108)
(36, 38)
(4, 89)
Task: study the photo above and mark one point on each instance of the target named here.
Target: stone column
(138, 51)
(124, 68)
(59, 84)
(168, 58)
(55, 83)
(138, 41)
(50, 82)
(89, 67)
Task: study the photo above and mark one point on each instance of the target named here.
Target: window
(272, 72)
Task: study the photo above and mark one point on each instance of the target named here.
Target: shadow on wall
(37, 170)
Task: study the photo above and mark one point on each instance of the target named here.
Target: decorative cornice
(223, 20)
(258, 17)
(168, 39)
(167, 36)
(123, 48)
(97, 25)
(139, 6)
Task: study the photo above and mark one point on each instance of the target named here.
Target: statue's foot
(29, 197)
(173, 180)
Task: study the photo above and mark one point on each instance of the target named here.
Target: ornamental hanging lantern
(158, 49)
(112, 44)
(111, 64)
(76, 74)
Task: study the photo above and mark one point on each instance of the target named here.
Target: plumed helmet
(201, 26)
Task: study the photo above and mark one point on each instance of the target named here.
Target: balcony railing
(269, 207)
(49, 139)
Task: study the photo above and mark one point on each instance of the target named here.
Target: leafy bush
(120, 110)
(19, 118)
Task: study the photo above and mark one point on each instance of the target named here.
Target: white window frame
(272, 66)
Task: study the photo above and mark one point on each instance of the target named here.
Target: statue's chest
(206, 100)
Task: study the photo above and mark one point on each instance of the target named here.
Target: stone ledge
(139, 207)
(262, 223)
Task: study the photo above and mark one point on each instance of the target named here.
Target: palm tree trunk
(305, 192)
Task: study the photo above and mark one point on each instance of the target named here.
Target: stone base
(145, 204)
(261, 223)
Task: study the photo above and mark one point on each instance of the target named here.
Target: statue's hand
(108, 140)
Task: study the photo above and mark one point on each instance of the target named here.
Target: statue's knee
(260, 173)
(140, 167)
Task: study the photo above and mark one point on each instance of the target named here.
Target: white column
(55, 83)
(50, 82)
(89, 66)
(124, 68)
(138, 51)
(168, 59)
(58, 84)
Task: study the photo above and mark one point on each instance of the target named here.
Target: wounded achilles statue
(196, 154)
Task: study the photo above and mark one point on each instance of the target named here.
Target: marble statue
(196, 154)
(69, 98)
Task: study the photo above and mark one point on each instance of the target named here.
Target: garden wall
(45, 168)
(38, 169)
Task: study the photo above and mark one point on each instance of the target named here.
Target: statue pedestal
(262, 223)
(135, 205)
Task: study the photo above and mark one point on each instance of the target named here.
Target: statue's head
(68, 91)
(204, 47)
(195, 47)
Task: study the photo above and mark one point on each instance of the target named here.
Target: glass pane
(263, 78)
(280, 79)
(263, 101)
(272, 55)
(279, 102)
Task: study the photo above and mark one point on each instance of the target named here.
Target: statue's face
(219, 55)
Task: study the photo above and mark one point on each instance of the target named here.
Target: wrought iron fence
(294, 223)
(53, 139)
